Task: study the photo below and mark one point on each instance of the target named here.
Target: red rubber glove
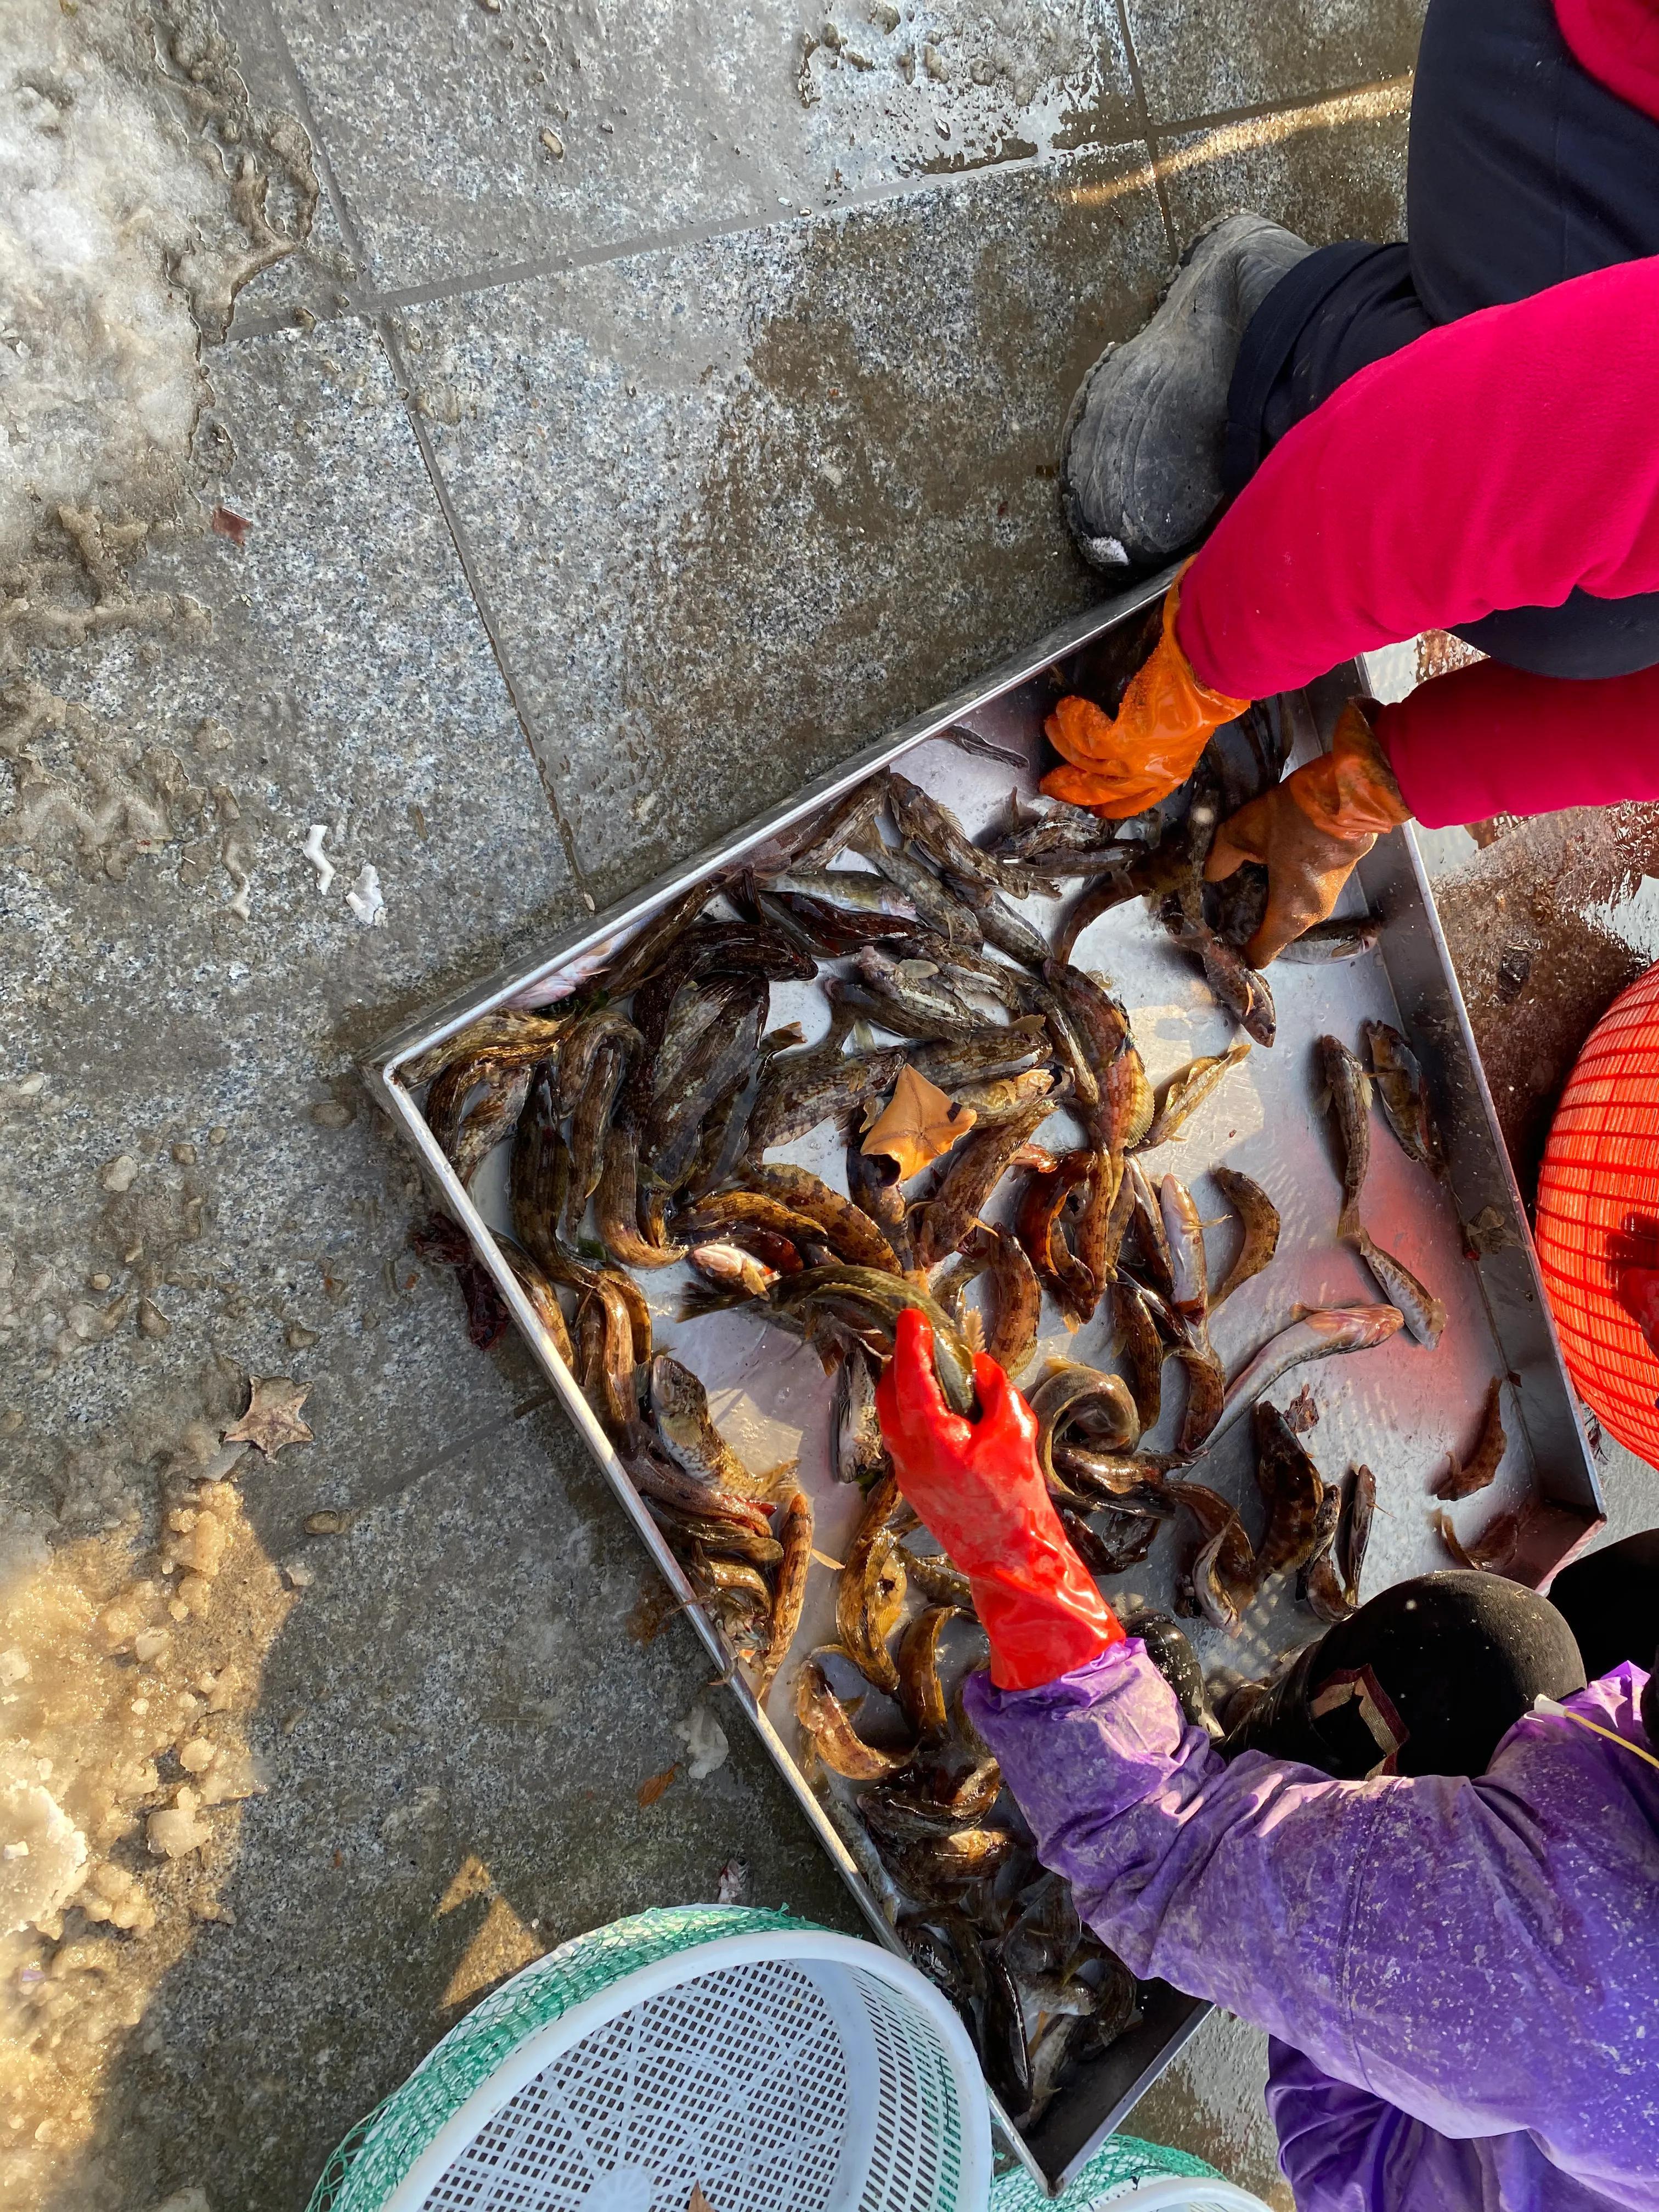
(977, 1486)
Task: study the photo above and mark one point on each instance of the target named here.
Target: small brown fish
(1425, 1316)
(729, 1268)
(932, 1572)
(859, 1455)
(1464, 1478)
(1185, 1092)
(544, 1299)
(491, 1118)
(1348, 1090)
(800, 1090)
(506, 1036)
(1130, 1482)
(669, 1485)
(1224, 1574)
(1353, 1529)
(579, 1052)
(1259, 1218)
(920, 1690)
(1320, 1583)
(722, 1539)
(992, 1053)
(1313, 1334)
(795, 1534)
(828, 835)
(974, 1168)
(1246, 994)
(1184, 1234)
(1038, 1225)
(846, 1228)
(589, 1127)
(1015, 1304)
(1207, 1388)
(936, 1868)
(1071, 1392)
(1123, 1542)
(1143, 1348)
(828, 1724)
(873, 1542)
(925, 822)
(873, 1302)
(1404, 1093)
(679, 1412)
(1150, 1232)
(1292, 1490)
(617, 1203)
(1333, 941)
(1007, 1097)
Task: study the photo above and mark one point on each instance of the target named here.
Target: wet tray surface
(1399, 1408)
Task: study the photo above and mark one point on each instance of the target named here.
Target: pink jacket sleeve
(1499, 461)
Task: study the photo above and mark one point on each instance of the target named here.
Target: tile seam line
(1143, 107)
(353, 236)
(1264, 111)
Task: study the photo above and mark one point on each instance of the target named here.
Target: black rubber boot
(1140, 456)
(1175, 1660)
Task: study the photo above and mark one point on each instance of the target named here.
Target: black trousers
(1428, 1677)
(1523, 172)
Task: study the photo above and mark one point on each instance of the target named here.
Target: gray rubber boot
(1140, 455)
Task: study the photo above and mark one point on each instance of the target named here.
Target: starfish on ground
(272, 1418)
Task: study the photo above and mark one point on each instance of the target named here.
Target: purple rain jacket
(1461, 1978)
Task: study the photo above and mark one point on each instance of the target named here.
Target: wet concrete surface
(595, 496)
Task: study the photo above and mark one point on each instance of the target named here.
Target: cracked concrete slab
(471, 139)
(1199, 59)
(736, 508)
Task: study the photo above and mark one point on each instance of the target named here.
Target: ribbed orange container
(1598, 1207)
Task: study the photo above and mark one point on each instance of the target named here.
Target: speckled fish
(579, 1047)
(1101, 1229)
(721, 1061)
(973, 1168)
(1320, 1584)
(830, 834)
(543, 1300)
(1259, 1216)
(845, 1228)
(1348, 1090)
(859, 1455)
(1313, 1335)
(660, 1480)
(1224, 1571)
(1123, 1543)
(1245, 993)
(591, 1126)
(932, 1573)
(1122, 1112)
(936, 1868)
(861, 889)
(722, 1539)
(920, 1690)
(917, 988)
(799, 1090)
(1002, 926)
(679, 1412)
(1004, 2047)
(540, 1173)
(729, 1268)
(1185, 1092)
(1464, 1478)
(994, 1052)
(1068, 1044)
(1425, 1316)
(473, 1105)
(940, 909)
(1292, 1489)
(1014, 1305)
(1333, 940)
(617, 1203)
(1353, 1529)
(873, 1544)
(1038, 1228)
(504, 1035)
(741, 1213)
(795, 1534)
(830, 930)
(604, 1344)
(733, 1591)
(1149, 1229)
(1184, 1233)
(1146, 872)
(645, 953)
(875, 1301)
(1009, 1096)
(1207, 1386)
(931, 828)
(1143, 1348)
(828, 1723)
(1404, 1093)
(1071, 1392)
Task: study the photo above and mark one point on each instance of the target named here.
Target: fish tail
(1350, 1229)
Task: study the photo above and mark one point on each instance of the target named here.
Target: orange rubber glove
(1120, 766)
(977, 1486)
(1310, 831)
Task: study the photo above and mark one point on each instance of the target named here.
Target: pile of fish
(641, 1115)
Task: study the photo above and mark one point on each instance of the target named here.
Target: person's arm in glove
(978, 1487)
(1310, 831)
(1119, 765)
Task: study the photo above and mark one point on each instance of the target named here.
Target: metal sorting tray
(1401, 1409)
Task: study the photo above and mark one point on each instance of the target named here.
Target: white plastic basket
(1128, 2175)
(777, 2066)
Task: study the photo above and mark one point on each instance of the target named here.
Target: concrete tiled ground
(658, 408)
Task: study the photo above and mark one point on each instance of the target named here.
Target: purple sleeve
(1422, 1940)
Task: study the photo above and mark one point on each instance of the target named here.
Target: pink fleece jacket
(1499, 461)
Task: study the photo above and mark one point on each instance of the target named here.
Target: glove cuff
(1044, 1617)
(1350, 793)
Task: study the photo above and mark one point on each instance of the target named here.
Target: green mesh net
(381, 2149)
(1124, 2163)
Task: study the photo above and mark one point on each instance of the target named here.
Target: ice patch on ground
(126, 226)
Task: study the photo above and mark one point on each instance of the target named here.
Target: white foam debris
(45, 1852)
(175, 1831)
(365, 899)
(705, 1742)
(313, 850)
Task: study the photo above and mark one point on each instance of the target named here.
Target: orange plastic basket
(1598, 1209)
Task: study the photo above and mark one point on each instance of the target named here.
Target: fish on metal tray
(876, 1300)
(504, 1035)
(1143, 1348)
(1223, 1572)
(1150, 1233)
(920, 1692)
(539, 1177)
(1175, 1660)
(1347, 1091)
(659, 1479)
(935, 1869)
(992, 1052)
(1259, 1217)
(1404, 1092)
(1464, 1477)
(1073, 1393)
(1354, 1529)
(972, 1171)
(815, 844)
(859, 1454)
(931, 827)
(579, 1049)
(1314, 1334)
(543, 1297)
(1321, 1582)
(1128, 1482)
(1425, 1316)
(1124, 1543)
(938, 908)
(795, 1536)
(680, 1415)
(1003, 927)
(828, 1724)
(1004, 2048)
(1333, 940)
(945, 1584)
(729, 1268)
(1189, 1090)
(1038, 1225)
(723, 1539)
(1292, 1490)
(872, 1543)
(590, 1126)
(1006, 1097)
(1244, 992)
(1184, 1234)
(617, 1203)
(1207, 1385)
(847, 1229)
